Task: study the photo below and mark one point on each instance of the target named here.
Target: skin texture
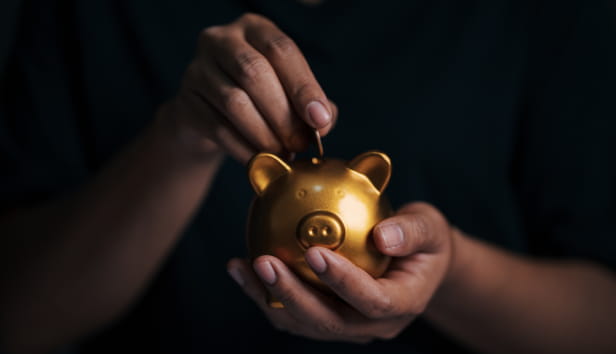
(486, 297)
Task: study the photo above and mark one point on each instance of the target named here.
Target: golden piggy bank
(319, 202)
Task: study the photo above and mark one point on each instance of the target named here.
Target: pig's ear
(375, 165)
(264, 169)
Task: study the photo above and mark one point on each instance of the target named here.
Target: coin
(317, 137)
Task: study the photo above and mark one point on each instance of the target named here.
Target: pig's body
(316, 203)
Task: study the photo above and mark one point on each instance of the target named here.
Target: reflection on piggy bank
(319, 202)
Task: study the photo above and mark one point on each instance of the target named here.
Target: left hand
(420, 241)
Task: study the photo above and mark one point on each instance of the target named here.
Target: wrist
(460, 259)
(458, 273)
(173, 131)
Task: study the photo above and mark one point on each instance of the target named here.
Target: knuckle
(330, 327)
(425, 226)
(416, 309)
(427, 209)
(416, 230)
(380, 308)
(281, 46)
(305, 89)
(287, 297)
(388, 335)
(210, 34)
(233, 100)
(431, 211)
(250, 17)
(391, 334)
(418, 205)
(219, 134)
(420, 225)
(270, 145)
(251, 66)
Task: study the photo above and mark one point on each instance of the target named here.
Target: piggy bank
(318, 202)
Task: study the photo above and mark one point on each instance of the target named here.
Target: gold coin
(319, 143)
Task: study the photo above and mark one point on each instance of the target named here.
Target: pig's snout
(320, 228)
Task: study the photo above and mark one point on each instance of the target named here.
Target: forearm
(498, 302)
(75, 264)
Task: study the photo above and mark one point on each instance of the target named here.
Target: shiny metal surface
(319, 143)
(320, 228)
(325, 202)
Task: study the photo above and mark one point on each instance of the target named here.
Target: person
(119, 208)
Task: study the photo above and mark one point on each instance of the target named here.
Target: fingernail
(318, 114)
(391, 234)
(316, 261)
(236, 274)
(266, 272)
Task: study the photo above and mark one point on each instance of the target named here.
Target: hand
(250, 89)
(418, 238)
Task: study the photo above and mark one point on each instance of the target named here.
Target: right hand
(250, 89)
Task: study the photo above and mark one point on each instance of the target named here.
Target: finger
(300, 85)
(314, 311)
(191, 103)
(252, 72)
(417, 227)
(244, 276)
(426, 239)
(353, 284)
(317, 316)
(235, 105)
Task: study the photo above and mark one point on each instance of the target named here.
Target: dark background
(500, 113)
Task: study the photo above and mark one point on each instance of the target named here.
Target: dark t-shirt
(500, 113)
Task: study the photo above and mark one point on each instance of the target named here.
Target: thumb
(414, 229)
(334, 109)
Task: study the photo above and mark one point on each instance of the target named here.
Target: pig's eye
(339, 193)
(301, 193)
